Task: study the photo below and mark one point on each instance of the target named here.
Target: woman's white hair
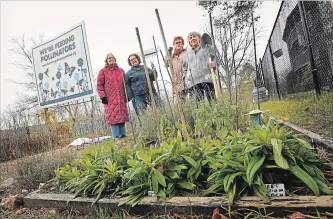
(193, 33)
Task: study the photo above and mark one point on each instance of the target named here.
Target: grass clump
(36, 169)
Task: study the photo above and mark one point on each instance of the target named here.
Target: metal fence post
(274, 70)
(262, 72)
(308, 42)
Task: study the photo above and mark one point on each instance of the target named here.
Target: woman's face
(111, 59)
(134, 61)
(178, 44)
(194, 41)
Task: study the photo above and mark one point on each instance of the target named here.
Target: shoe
(114, 138)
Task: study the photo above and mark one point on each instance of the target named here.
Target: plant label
(276, 190)
(151, 193)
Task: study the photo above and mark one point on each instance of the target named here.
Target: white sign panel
(63, 68)
(276, 189)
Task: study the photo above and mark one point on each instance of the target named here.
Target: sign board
(63, 68)
(276, 189)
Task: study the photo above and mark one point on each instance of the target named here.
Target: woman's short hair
(193, 33)
(106, 58)
(136, 56)
(178, 38)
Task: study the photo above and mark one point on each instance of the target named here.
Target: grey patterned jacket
(197, 64)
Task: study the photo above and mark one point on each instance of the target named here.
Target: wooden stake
(47, 121)
(166, 93)
(148, 82)
(181, 113)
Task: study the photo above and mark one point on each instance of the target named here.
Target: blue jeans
(118, 130)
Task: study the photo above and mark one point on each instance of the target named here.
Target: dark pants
(141, 102)
(200, 90)
(182, 95)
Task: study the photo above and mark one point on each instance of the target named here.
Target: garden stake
(172, 75)
(166, 93)
(181, 113)
(218, 89)
(166, 67)
(48, 127)
(255, 59)
(149, 84)
(234, 64)
(128, 109)
(92, 117)
(165, 63)
(155, 76)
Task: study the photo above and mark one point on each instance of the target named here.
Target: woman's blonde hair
(106, 58)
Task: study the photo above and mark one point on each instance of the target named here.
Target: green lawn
(306, 110)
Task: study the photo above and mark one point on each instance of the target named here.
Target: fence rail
(299, 52)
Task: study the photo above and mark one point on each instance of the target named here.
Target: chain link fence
(299, 54)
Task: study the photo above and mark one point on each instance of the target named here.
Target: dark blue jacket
(136, 82)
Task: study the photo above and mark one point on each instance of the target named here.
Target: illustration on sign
(62, 67)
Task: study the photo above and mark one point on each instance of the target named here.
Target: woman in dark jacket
(110, 87)
(137, 86)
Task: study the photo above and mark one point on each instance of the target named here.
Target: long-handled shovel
(205, 41)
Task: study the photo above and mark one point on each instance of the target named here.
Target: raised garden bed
(280, 206)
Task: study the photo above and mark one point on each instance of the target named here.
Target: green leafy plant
(230, 162)
(248, 162)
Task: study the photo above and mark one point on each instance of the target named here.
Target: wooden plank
(317, 139)
(184, 205)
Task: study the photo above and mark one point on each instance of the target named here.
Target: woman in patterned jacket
(110, 87)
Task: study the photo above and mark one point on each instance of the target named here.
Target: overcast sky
(110, 27)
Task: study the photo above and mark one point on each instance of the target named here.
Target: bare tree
(22, 47)
(233, 35)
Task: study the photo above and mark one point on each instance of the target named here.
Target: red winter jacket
(110, 84)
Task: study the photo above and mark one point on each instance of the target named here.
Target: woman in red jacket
(110, 87)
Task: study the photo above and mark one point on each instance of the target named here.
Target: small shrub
(40, 168)
(209, 116)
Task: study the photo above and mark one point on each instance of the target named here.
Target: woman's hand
(212, 64)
